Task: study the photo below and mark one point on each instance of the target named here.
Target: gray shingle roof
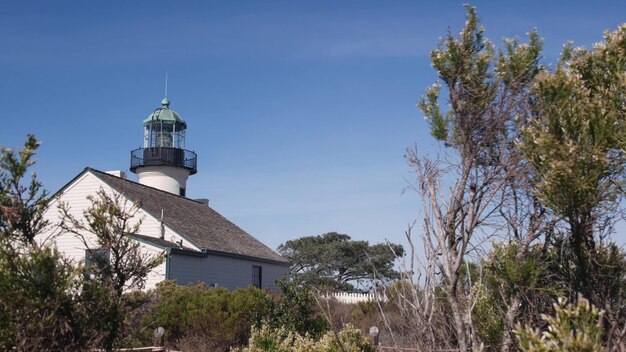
(193, 220)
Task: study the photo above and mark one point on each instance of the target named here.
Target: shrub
(213, 318)
(350, 339)
(279, 339)
(45, 304)
(134, 332)
(295, 310)
(487, 319)
(572, 328)
(266, 339)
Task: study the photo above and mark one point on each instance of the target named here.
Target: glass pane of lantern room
(148, 136)
(179, 139)
(164, 135)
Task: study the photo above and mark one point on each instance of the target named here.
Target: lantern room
(164, 128)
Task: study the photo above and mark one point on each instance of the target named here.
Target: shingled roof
(193, 220)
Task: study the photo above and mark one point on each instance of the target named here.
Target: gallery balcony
(164, 156)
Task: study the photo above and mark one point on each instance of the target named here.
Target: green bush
(279, 339)
(134, 332)
(214, 317)
(350, 339)
(45, 305)
(572, 328)
(488, 322)
(268, 339)
(295, 310)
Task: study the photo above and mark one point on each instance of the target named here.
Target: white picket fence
(352, 298)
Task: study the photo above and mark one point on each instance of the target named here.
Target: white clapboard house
(200, 244)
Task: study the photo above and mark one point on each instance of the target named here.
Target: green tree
(333, 260)
(119, 262)
(21, 205)
(463, 193)
(577, 145)
(44, 305)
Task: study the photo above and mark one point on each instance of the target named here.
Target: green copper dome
(166, 115)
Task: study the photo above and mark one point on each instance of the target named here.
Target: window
(95, 260)
(257, 276)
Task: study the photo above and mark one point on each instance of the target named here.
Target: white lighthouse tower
(163, 162)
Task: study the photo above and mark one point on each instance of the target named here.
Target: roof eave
(247, 257)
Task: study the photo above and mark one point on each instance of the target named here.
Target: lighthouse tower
(163, 162)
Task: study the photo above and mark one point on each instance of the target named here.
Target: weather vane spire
(165, 84)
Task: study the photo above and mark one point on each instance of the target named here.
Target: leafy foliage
(334, 260)
(464, 191)
(45, 304)
(508, 274)
(269, 339)
(488, 321)
(280, 339)
(577, 143)
(572, 328)
(21, 206)
(294, 310)
(214, 317)
(107, 225)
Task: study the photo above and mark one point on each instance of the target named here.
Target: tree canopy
(334, 260)
(48, 302)
(535, 155)
(577, 144)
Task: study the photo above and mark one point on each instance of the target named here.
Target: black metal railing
(164, 156)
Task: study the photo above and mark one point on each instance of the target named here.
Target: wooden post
(374, 335)
(158, 342)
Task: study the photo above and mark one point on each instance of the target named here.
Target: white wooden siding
(223, 271)
(157, 274)
(73, 248)
(75, 195)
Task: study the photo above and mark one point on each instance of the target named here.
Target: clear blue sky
(300, 111)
